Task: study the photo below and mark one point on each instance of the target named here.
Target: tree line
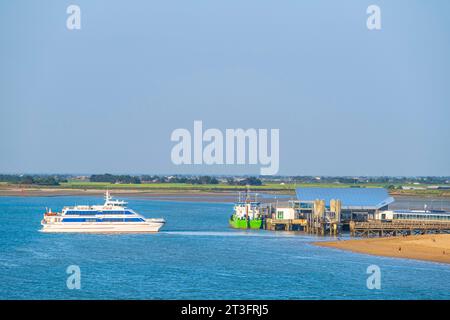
(110, 178)
(389, 180)
(114, 178)
(42, 180)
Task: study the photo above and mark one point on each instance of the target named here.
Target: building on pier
(357, 204)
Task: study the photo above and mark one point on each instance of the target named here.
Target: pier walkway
(395, 228)
(285, 224)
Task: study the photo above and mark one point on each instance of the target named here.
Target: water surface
(196, 256)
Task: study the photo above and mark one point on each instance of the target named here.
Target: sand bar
(424, 247)
(157, 194)
(153, 194)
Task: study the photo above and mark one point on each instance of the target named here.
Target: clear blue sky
(347, 101)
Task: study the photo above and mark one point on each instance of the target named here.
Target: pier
(286, 224)
(316, 219)
(361, 212)
(374, 228)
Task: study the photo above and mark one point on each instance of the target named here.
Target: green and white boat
(247, 214)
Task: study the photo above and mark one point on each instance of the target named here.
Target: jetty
(285, 224)
(363, 212)
(314, 219)
(375, 228)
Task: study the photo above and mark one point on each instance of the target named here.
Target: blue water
(196, 256)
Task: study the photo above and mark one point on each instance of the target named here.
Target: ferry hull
(103, 227)
(242, 224)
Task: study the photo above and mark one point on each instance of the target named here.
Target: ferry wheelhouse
(111, 217)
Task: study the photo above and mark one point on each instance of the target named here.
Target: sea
(195, 256)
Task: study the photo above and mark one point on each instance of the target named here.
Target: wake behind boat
(111, 217)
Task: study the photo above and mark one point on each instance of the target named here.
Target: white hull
(148, 226)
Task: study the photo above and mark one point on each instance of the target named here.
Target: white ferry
(111, 217)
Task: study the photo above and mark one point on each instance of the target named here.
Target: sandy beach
(424, 247)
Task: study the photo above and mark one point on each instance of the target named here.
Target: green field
(272, 187)
(204, 187)
(170, 186)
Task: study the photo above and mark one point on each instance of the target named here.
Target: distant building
(438, 187)
(357, 203)
(412, 188)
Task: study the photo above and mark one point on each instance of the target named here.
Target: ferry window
(134, 219)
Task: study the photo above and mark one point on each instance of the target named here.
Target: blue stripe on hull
(103, 220)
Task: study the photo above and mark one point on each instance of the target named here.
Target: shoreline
(175, 194)
(31, 190)
(160, 195)
(88, 188)
(429, 247)
(156, 194)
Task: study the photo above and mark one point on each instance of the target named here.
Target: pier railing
(384, 228)
(285, 224)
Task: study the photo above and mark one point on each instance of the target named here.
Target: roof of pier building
(351, 198)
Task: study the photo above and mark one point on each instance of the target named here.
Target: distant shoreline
(178, 195)
(164, 189)
(435, 248)
(162, 195)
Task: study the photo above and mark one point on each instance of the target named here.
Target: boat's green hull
(242, 224)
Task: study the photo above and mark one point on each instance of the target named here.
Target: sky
(106, 98)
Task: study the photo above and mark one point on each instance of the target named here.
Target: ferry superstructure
(111, 217)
